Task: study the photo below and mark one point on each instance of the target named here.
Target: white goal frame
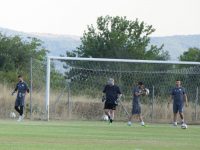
(48, 69)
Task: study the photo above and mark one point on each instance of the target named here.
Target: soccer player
(136, 107)
(22, 88)
(179, 97)
(111, 96)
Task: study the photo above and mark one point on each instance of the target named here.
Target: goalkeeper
(22, 88)
(111, 96)
(136, 107)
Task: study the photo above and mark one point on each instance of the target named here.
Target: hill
(176, 45)
(56, 44)
(59, 44)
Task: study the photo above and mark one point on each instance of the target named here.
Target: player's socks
(110, 119)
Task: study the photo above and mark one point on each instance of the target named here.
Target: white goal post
(50, 58)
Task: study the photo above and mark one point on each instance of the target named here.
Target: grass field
(86, 135)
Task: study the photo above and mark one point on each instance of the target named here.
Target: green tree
(117, 37)
(15, 54)
(192, 78)
(114, 37)
(193, 54)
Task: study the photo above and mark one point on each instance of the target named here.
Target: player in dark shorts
(21, 89)
(136, 106)
(111, 95)
(179, 97)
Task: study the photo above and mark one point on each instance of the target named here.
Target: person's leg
(106, 109)
(133, 112)
(112, 115)
(180, 109)
(17, 109)
(112, 108)
(175, 111)
(182, 117)
(21, 110)
(175, 119)
(17, 104)
(130, 118)
(139, 115)
(107, 112)
(141, 119)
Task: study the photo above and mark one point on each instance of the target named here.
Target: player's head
(178, 82)
(20, 78)
(110, 81)
(141, 84)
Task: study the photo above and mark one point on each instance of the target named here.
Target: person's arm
(15, 90)
(104, 94)
(119, 95)
(169, 100)
(138, 93)
(186, 100)
(27, 89)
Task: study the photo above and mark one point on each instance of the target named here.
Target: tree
(193, 54)
(15, 54)
(114, 37)
(117, 37)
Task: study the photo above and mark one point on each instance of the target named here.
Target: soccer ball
(146, 91)
(184, 126)
(105, 118)
(12, 115)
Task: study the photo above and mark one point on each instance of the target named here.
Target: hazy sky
(168, 17)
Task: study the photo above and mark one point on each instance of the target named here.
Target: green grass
(86, 135)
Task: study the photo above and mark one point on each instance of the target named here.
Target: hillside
(56, 44)
(59, 44)
(176, 45)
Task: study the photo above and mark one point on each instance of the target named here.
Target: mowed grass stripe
(90, 135)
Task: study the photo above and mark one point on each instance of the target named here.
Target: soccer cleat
(142, 123)
(110, 119)
(20, 119)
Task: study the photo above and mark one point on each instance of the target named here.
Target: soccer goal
(80, 82)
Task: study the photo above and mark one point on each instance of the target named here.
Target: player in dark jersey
(111, 96)
(179, 97)
(21, 89)
(136, 106)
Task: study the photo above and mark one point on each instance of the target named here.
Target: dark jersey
(178, 95)
(136, 99)
(22, 88)
(111, 93)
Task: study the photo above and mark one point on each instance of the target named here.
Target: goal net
(74, 86)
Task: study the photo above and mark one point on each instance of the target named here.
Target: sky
(168, 17)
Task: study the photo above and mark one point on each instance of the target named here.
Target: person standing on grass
(136, 107)
(21, 89)
(179, 97)
(112, 94)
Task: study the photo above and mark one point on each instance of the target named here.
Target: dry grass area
(84, 108)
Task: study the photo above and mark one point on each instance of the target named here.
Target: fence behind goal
(75, 87)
